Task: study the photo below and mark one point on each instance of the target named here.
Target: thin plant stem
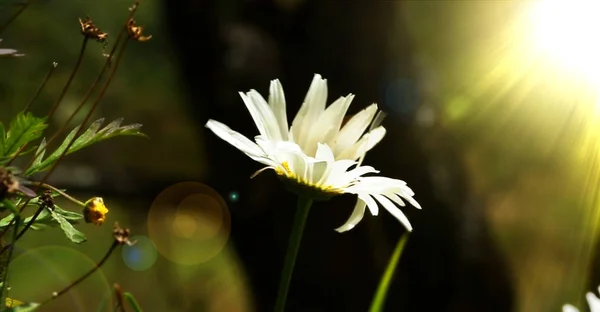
(90, 90)
(66, 87)
(39, 90)
(63, 194)
(52, 68)
(386, 280)
(17, 217)
(302, 211)
(79, 131)
(14, 16)
(132, 302)
(119, 296)
(84, 276)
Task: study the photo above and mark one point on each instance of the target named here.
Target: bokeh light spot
(189, 223)
(198, 215)
(234, 196)
(141, 255)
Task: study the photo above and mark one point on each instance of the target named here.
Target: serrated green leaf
(45, 219)
(26, 307)
(72, 234)
(92, 135)
(54, 156)
(89, 133)
(23, 129)
(68, 215)
(39, 153)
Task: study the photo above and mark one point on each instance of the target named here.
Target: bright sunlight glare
(568, 32)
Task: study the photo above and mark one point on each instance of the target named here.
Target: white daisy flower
(592, 300)
(319, 156)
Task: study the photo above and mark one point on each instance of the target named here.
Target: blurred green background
(146, 89)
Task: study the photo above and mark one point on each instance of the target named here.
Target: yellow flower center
(303, 187)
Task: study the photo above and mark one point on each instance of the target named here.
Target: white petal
(274, 147)
(355, 217)
(326, 128)
(336, 173)
(259, 171)
(413, 202)
(593, 301)
(309, 163)
(365, 144)
(324, 153)
(335, 114)
(569, 308)
(353, 176)
(395, 211)
(371, 203)
(354, 129)
(379, 185)
(395, 198)
(239, 141)
(311, 109)
(297, 163)
(262, 115)
(278, 106)
(318, 172)
(360, 171)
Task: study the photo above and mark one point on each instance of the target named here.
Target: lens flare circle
(38, 272)
(189, 223)
(140, 256)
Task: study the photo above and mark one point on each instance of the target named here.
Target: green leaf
(132, 302)
(27, 307)
(68, 215)
(45, 219)
(72, 234)
(91, 136)
(23, 129)
(40, 153)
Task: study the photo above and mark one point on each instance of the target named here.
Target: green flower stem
(63, 194)
(386, 279)
(304, 204)
(17, 217)
(132, 302)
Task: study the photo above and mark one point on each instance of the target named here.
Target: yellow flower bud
(95, 211)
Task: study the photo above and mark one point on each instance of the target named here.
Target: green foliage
(23, 129)
(73, 234)
(92, 135)
(57, 218)
(26, 307)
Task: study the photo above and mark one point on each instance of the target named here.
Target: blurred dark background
(493, 234)
(362, 48)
